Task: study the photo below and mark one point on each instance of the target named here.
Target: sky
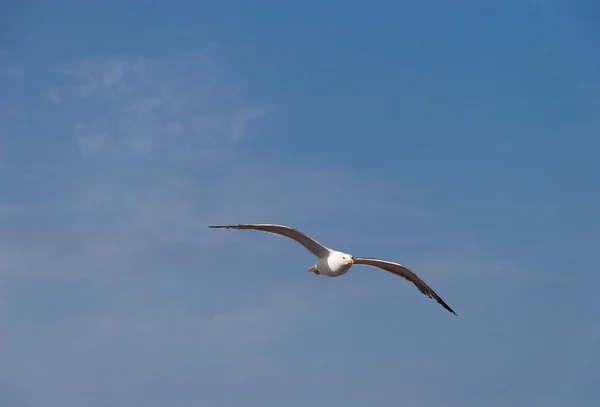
(458, 138)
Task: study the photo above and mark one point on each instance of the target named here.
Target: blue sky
(458, 139)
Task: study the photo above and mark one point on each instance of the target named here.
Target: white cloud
(96, 74)
(89, 141)
(112, 73)
(54, 95)
(143, 206)
(87, 88)
(242, 119)
(146, 106)
(187, 102)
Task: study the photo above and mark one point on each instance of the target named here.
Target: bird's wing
(310, 244)
(400, 270)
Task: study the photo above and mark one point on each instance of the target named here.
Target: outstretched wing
(310, 244)
(400, 270)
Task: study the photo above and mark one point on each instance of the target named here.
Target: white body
(333, 265)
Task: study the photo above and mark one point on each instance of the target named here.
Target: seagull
(333, 263)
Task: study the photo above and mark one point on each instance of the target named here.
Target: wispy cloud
(160, 131)
(95, 74)
(242, 119)
(89, 141)
(154, 165)
(162, 106)
(53, 95)
(113, 72)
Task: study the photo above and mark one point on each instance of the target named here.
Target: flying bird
(333, 263)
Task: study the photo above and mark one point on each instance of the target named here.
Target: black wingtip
(443, 304)
(451, 310)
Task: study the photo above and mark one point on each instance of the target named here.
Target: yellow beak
(350, 261)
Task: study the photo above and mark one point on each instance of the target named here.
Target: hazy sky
(459, 138)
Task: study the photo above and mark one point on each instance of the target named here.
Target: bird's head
(339, 260)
